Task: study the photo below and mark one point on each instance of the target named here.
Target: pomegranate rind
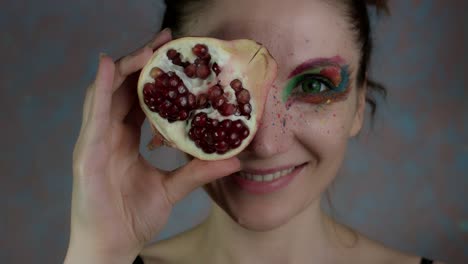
(242, 59)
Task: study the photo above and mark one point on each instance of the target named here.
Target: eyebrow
(316, 62)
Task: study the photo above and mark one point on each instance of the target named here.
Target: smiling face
(312, 110)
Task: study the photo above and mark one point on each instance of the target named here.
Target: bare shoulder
(177, 249)
(362, 249)
(377, 252)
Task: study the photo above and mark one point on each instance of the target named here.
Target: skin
(287, 226)
(113, 181)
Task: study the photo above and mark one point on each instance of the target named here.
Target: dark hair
(178, 14)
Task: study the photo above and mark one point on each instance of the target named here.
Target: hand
(120, 201)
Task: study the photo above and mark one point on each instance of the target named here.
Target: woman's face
(305, 127)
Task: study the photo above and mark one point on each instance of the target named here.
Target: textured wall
(404, 184)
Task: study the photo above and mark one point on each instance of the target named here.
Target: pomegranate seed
(244, 133)
(243, 96)
(233, 136)
(163, 114)
(227, 109)
(161, 81)
(173, 110)
(203, 71)
(191, 100)
(236, 143)
(219, 134)
(212, 122)
(199, 132)
(156, 72)
(200, 120)
(208, 149)
(182, 89)
(182, 101)
(183, 115)
(205, 59)
(245, 109)
(149, 89)
(221, 147)
(172, 54)
(158, 98)
(174, 81)
(218, 102)
(200, 50)
(226, 123)
(164, 107)
(202, 101)
(171, 94)
(177, 60)
(153, 108)
(214, 92)
(190, 70)
(236, 85)
(237, 125)
(216, 68)
(191, 134)
(208, 137)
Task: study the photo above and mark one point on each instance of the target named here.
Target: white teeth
(265, 177)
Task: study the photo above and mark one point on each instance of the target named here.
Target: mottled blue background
(404, 184)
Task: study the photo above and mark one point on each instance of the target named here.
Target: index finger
(132, 63)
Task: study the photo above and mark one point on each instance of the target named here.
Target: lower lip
(256, 187)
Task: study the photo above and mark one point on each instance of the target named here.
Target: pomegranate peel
(192, 85)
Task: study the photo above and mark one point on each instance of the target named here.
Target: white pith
(265, 177)
(176, 133)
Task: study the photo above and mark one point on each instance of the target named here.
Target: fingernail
(165, 30)
(101, 55)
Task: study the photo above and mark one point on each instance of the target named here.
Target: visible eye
(313, 84)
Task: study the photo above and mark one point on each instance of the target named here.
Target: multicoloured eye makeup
(318, 81)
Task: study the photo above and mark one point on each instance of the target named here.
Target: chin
(262, 213)
(262, 216)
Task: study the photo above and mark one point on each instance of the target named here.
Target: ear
(360, 109)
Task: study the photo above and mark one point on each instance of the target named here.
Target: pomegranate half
(206, 96)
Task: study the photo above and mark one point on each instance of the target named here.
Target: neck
(308, 235)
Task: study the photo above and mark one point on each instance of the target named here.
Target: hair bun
(380, 5)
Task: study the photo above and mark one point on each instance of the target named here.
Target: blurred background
(404, 183)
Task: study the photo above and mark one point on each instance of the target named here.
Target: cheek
(323, 130)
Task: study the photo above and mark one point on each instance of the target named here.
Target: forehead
(293, 31)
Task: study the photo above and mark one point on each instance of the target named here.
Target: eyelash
(314, 77)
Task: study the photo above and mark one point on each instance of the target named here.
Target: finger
(127, 73)
(135, 116)
(124, 97)
(130, 63)
(195, 174)
(164, 36)
(101, 93)
(87, 105)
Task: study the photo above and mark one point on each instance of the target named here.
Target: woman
(120, 201)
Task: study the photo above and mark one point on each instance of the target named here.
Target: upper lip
(270, 171)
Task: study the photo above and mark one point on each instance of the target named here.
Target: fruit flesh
(234, 60)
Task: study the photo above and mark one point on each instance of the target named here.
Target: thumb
(195, 174)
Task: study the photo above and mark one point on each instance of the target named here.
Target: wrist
(91, 253)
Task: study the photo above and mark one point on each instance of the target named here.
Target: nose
(273, 136)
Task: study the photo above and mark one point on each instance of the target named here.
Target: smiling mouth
(271, 175)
